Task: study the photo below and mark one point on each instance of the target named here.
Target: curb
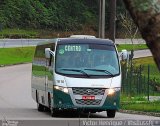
(15, 64)
(140, 112)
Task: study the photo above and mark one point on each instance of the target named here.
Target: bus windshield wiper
(76, 70)
(99, 70)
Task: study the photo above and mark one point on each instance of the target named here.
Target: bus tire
(40, 107)
(49, 101)
(48, 108)
(54, 112)
(111, 113)
(36, 96)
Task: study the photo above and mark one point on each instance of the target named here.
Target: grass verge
(16, 55)
(129, 47)
(139, 103)
(142, 106)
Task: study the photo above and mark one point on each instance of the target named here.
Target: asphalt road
(5, 43)
(33, 42)
(142, 53)
(16, 102)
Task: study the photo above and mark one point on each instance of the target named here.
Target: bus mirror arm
(48, 53)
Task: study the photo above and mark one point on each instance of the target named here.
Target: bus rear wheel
(40, 107)
(111, 113)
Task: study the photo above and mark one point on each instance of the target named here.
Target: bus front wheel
(111, 113)
(54, 112)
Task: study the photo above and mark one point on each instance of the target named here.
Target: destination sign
(72, 48)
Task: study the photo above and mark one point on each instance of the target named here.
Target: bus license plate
(88, 97)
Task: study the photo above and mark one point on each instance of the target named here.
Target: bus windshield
(87, 60)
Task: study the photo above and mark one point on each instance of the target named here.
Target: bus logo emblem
(89, 91)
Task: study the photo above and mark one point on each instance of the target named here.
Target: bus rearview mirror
(124, 54)
(47, 53)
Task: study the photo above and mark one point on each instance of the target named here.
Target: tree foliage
(62, 15)
(50, 14)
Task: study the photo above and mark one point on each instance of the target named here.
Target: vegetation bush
(48, 14)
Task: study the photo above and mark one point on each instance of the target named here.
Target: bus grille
(88, 91)
(88, 102)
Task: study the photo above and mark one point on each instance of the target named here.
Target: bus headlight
(63, 89)
(57, 87)
(111, 91)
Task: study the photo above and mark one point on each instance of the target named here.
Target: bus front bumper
(64, 101)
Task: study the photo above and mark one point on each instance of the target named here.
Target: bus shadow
(74, 114)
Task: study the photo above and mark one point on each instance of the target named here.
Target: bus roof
(78, 40)
(89, 40)
(83, 36)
